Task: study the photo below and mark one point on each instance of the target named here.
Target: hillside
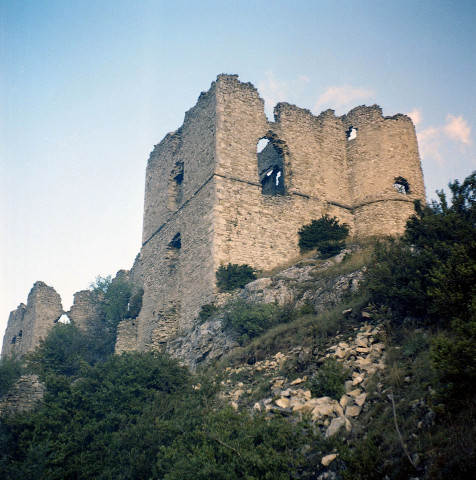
(360, 366)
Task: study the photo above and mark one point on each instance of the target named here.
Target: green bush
(234, 276)
(207, 311)
(325, 234)
(329, 380)
(11, 370)
(252, 320)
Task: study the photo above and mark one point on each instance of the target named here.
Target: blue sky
(87, 88)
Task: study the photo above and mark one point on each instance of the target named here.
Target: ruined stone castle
(214, 194)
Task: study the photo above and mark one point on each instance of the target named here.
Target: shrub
(325, 234)
(10, 371)
(234, 276)
(207, 311)
(252, 320)
(329, 380)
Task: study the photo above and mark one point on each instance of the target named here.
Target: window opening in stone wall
(14, 339)
(401, 185)
(351, 133)
(173, 252)
(175, 186)
(270, 168)
(20, 333)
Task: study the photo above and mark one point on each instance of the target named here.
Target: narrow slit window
(173, 252)
(175, 187)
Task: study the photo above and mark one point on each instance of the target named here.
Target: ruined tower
(212, 198)
(33, 321)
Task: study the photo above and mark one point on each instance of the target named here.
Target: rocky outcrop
(205, 343)
(310, 283)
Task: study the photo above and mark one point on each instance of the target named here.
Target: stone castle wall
(33, 321)
(211, 198)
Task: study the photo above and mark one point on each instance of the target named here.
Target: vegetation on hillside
(232, 276)
(142, 415)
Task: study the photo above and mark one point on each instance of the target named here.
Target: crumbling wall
(178, 233)
(86, 309)
(211, 198)
(25, 395)
(33, 321)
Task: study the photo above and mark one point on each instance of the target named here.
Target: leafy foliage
(329, 380)
(234, 276)
(207, 311)
(10, 371)
(65, 351)
(138, 416)
(252, 320)
(325, 234)
(429, 275)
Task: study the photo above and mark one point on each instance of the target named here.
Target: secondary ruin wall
(31, 322)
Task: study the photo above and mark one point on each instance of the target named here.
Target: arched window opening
(173, 252)
(351, 133)
(401, 185)
(14, 339)
(270, 168)
(175, 187)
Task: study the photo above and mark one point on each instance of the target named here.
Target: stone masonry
(31, 322)
(212, 198)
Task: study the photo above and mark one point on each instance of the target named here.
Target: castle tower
(212, 198)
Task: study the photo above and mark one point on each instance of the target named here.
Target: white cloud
(457, 129)
(416, 116)
(434, 139)
(274, 90)
(344, 95)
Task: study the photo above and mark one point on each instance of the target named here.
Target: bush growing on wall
(234, 276)
(325, 234)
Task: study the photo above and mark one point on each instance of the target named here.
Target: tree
(325, 234)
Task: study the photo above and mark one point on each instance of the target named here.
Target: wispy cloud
(433, 139)
(457, 129)
(416, 116)
(275, 90)
(343, 96)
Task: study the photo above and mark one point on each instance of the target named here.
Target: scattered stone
(297, 381)
(335, 425)
(328, 459)
(282, 402)
(352, 411)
